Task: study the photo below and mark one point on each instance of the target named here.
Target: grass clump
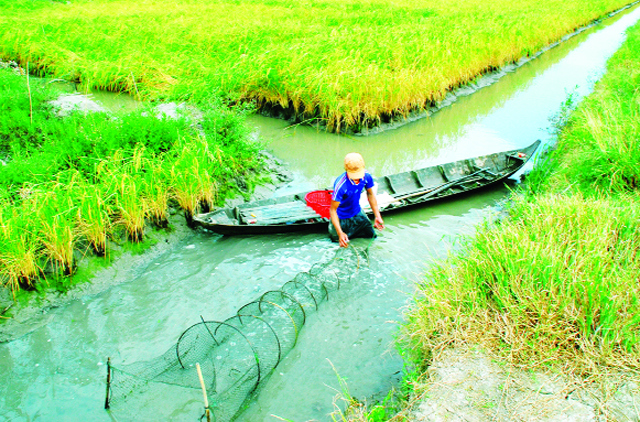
(19, 246)
(345, 64)
(93, 220)
(57, 226)
(598, 150)
(70, 184)
(555, 282)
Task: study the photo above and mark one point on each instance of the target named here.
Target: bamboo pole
(204, 394)
(106, 400)
(29, 91)
(6, 309)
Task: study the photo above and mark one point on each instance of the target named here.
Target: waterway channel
(57, 372)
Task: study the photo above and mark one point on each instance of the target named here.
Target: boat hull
(290, 213)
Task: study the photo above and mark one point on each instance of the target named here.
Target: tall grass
(343, 63)
(194, 188)
(94, 222)
(557, 281)
(72, 184)
(19, 246)
(599, 149)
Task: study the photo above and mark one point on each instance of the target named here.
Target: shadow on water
(57, 372)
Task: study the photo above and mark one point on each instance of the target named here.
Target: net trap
(228, 359)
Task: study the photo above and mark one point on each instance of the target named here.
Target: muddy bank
(33, 313)
(465, 384)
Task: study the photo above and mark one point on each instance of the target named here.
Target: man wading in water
(347, 218)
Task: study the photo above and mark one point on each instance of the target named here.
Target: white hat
(354, 165)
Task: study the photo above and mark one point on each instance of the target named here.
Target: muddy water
(57, 372)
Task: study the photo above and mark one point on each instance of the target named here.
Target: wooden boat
(294, 213)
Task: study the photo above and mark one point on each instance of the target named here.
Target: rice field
(341, 64)
(555, 283)
(70, 185)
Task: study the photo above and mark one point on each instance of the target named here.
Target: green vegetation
(556, 282)
(69, 184)
(342, 63)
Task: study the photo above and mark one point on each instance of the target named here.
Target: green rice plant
(156, 194)
(556, 282)
(16, 126)
(93, 216)
(19, 247)
(73, 181)
(131, 208)
(191, 181)
(185, 191)
(341, 63)
(599, 146)
(38, 150)
(56, 213)
(207, 186)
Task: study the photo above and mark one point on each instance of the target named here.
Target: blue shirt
(348, 194)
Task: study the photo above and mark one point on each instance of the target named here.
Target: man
(347, 218)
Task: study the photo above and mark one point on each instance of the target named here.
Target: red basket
(320, 201)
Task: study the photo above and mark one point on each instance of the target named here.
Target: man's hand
(344, 240)
(373, 203)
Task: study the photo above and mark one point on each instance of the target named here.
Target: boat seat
(443, 173)
(277, 213)
(404, 182)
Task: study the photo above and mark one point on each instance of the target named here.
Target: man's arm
(373, 203)
(333, 213)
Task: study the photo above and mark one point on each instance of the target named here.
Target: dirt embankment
(465, 384)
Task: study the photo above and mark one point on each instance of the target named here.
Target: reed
(343, 64)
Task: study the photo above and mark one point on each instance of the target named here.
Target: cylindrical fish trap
(234, 355)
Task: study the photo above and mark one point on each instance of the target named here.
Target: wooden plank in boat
(278, 214)
(272, 205)
(297, 205)
(403, 182)
(286, 219)
(297, 211)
